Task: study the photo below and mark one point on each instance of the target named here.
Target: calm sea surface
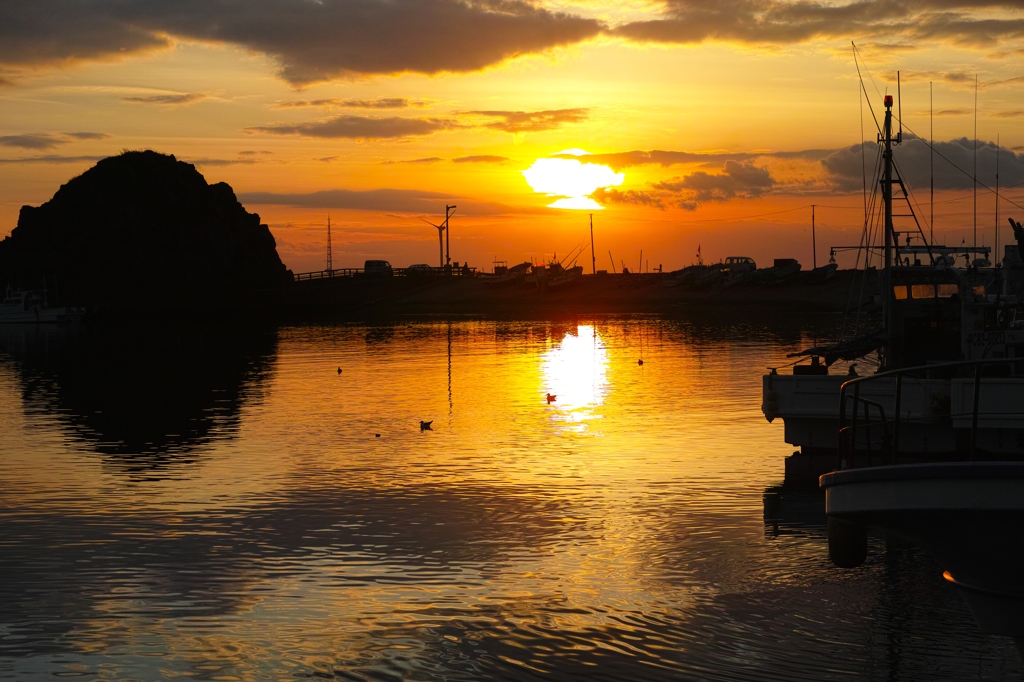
(226, 506)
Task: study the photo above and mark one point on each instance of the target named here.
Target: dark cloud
(53, 158)
(255, 153)
(1019, 113)
(481, 158)
(379, 103)
(360, 127)
(737, 179)
(166, 100)
(532, 121)
(620, 160)
(630, 196)
(311, 41)
(33, 141)
(222, 162)
(390, 200)
(425, 161)
(970, 22)
(913, 157)
(88, 136)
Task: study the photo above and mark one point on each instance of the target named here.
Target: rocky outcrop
(141, 225)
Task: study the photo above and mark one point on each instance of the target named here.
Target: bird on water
(551, 398)
(339, 370)
(425, 426)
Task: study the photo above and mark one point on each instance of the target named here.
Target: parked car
(418, 270)
(737, 264)
(378, 268)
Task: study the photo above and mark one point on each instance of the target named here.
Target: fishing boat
(504, 275)
(30, 306)
(930, 446)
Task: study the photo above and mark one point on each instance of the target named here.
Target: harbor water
(264, 504)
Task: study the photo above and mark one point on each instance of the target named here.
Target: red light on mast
(888, 100)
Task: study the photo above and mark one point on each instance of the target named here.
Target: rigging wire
(951, 163)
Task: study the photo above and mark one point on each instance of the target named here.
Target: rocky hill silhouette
(141, 226)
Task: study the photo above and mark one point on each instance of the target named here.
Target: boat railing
(890, 440)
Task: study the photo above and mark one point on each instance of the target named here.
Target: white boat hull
(932, 412)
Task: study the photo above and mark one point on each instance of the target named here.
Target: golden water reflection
(575, 372)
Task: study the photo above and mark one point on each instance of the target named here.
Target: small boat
(29, 306)
(820, 274)
(504, 275)
(562, 277)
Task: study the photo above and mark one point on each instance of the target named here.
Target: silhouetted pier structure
(461, 271)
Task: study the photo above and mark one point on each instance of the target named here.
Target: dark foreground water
(210, 505)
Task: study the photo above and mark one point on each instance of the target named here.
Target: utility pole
(593, 257)
(330, 263)
(996, 256)
(448, 211)
(814, 243)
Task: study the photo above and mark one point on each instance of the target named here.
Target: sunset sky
(677, 123)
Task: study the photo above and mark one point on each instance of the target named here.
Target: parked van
(740, 264)
(378, 268)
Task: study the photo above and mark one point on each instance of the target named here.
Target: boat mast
(887, 139)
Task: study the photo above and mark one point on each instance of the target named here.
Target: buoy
(376, 435)
(847, 542)
(770, 406)
(339, 370)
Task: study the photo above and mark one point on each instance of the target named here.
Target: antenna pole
(931, 162)
(814, 242)
(997, 199)
(975, 160)
(593, 256)
(330, 262)
(899, 104)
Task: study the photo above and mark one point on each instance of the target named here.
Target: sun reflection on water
(575, 372)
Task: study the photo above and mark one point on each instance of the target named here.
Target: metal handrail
(846, 441)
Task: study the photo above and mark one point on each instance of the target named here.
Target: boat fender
(847, 542)
(770, 405)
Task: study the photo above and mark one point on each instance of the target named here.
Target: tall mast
(887, 140)
(931, 164)
(814, 243)
(593, 258)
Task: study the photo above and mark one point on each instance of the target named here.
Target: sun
(571, 180)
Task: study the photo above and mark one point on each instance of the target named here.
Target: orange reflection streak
(576, 372)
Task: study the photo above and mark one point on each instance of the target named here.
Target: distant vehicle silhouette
(419, 269)
(378, 268)
(740, 264)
